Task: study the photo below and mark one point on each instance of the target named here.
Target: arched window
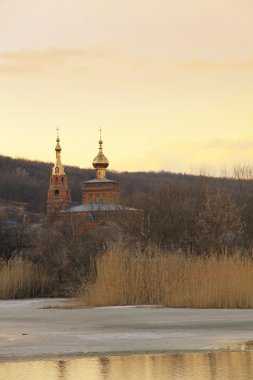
(56, 193)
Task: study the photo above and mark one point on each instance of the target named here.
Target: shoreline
(91, 355)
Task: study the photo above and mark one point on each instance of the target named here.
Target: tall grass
(21, 280)
(172, 279)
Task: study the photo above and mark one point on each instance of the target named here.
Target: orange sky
(169, 81)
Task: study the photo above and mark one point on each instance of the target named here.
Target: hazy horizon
(201, 171)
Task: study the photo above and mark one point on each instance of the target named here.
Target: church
(100, 197)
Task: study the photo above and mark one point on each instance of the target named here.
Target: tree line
(187, 212)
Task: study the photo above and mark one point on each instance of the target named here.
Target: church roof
(99, 207)
(99, 180)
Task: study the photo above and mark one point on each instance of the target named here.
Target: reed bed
(170, 279)
(22, 280)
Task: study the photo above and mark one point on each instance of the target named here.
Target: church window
(97, 198)
(90, 198)
(56, 193)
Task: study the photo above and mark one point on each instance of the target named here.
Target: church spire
(58, 198)
(58, 168)
(100, 162)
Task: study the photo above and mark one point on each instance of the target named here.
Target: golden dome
(100, 161)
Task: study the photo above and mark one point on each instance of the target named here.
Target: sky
(170, 82)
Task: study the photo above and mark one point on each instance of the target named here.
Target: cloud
(42, 61)
(39, 61)
(232, 144)
(205, 65)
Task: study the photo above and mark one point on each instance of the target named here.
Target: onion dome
(100, 161)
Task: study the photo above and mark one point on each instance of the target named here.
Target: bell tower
(58, 198)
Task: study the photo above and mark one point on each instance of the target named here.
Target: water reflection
(226, 365)
(62, 369)
(105, 367)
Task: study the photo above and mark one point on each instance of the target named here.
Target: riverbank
(32, 328)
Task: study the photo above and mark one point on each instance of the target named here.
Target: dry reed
(22, 280)
(172, 279)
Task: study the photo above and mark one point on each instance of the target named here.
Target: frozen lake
(29, 329)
